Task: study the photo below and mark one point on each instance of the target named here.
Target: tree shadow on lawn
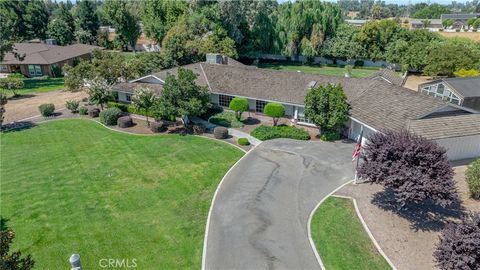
(17, 126)
(423, 216)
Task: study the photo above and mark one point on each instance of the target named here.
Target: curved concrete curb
(309, 224)
(367, 229)
(207, 226)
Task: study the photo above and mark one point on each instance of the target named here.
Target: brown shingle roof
(44, 54)
(447, 126)
(389, 76)
(128, 87)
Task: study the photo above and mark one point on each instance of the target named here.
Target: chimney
(215, 58)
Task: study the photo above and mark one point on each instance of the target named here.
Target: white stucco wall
(461, 147)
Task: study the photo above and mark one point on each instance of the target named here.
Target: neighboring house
(433, 24)
(376, 104)
(39, 59)
(389, 76)
(356, 22)
(459, 19)
(459, 91)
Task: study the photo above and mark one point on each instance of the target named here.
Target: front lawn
(38, 85)
(321, 70)
(281, 131)
(340, 238)
(73, 186)
(226, 119)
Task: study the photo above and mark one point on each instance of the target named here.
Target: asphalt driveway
(259, 217)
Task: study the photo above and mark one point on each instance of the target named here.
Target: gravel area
(408, 237)
(27, 105)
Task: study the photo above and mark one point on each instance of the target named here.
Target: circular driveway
(260, 213)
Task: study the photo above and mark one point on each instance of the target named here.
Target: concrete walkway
(260, 214)
(234, 132)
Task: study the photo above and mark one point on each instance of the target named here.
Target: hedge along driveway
(75, 186)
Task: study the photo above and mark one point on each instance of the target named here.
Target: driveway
(259, 217)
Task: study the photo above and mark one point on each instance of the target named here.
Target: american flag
(358, 146)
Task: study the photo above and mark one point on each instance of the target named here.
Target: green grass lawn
(72, 186)
(341, 240)
(321, 70)
(36, 85)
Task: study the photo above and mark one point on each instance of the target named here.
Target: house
(459, 19)
(432, 24)
(39, 59)
(459, 91)
(376, 104)
(356, 22)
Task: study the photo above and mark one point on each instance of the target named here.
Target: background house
(460, 91)
(459, 19)
(39, 59)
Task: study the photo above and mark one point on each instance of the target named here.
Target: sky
(404, 2)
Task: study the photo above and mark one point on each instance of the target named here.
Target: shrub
(359, 63)
(243, 141)
(72, 105)
(94, 112)
(46, 109)
(220, 133)
(121, 106)
(159, 126)
(330, 136)
(125, 121)
(415, 168)
(472, 176)
(110, 116)
(198, 129)
(459, 246)
(274, 110)
(238, 105)
(226, 119)
(268, 133)
(83, 110)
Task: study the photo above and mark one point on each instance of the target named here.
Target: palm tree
(143, 99)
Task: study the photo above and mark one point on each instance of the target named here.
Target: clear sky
(401, 2)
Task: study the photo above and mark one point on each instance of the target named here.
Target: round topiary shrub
(472, 176)
(94, 112)
(46, 109)
(220, 133)
(243, 141)
(274, 110)
(158, 126)
(83, 110)
(459, 246)
(125, 122)
(110, 116)
(238, 105)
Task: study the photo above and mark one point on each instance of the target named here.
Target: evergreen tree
(36, 19)
(87, 21)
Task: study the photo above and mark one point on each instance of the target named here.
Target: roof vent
(312, 84)
(215, 58)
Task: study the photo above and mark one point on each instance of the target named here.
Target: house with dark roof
(39, 59)
(460, 91)
(459, 19)
(376, 104)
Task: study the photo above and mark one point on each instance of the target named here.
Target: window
(441, 91)
(35, 70)
(3, 68)
(224, 100)
(301, 115)
(260, 104)
(128, 97)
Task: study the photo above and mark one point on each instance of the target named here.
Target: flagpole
(358, 157)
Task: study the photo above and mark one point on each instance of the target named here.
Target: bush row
(127, 108)
(269, 132)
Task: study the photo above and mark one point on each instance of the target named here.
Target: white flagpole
(358, 157)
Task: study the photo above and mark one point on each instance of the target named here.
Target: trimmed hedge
(94, 112)
(110, 116)
(330, 136)
(125, 122)
(220, 133)
(83, 110)
(268, 133)
(243, 141)
(472, 176)
(46, 109)
(127, 108)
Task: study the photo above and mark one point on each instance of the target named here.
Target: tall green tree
(86, 21)
(345, 44)
(182, 96)
(126, 24)
(36, 19)
(375, 36)
(59, 30)
(143, 100)
(159, 16)
(99, 92)
(326, 106)
(12, 25)
(433, 11)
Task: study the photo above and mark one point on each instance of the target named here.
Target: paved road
(259, 218)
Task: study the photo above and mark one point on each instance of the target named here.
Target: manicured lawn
(322, 70)
(226, 119)
(74, 186)
(340, 238)
(33, 85)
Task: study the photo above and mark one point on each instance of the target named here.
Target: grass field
(73, 186)
(33, 85)
(321, 70)
(341, 240)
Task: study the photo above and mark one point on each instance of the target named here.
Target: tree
(425, 23)
(345, 45)
(59, 30)
(13, 261)
(274, 110)
(12, 84)
(466, 73)
(472, 176)
(326, 106)
(12, 25)
(416, 169)
(36, 19)
(159, 16)
(459, 246)
(87, 21)
(447, 23)
(3, 102)
(238, 105)
(125, 22)
(182, 97)
(450, 55)
(433, 11)
(99, 92)
(143, 100)
(375, 36)
(76, 77)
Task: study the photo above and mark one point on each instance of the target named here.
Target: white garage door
(461, 147)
